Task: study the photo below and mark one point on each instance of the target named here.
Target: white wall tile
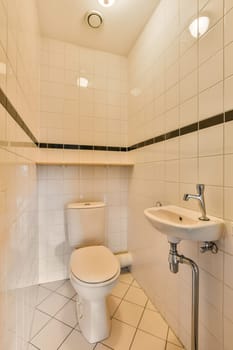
(202, 94)
(228, 36)
(211, 141)
(211, 71)
(228, 86)
(211, 42)
(211, 101)
(228, 58)
(211, 170)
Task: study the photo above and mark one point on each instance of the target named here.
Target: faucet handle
(200, 188)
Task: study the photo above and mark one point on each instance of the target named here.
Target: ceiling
(65, 20)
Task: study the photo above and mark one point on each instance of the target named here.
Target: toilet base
(94, 319)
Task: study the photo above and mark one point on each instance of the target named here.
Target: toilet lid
(94, 264)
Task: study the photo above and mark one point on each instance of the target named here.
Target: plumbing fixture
(201, 200)
(174, 260)
(209, 246)
(158, 204)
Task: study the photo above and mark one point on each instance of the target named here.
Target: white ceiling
(123, 22)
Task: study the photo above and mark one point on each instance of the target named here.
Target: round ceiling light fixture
(106, 3)
(199, 26)
(94, 19)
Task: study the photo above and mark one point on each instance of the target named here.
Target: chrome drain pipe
(174, 260)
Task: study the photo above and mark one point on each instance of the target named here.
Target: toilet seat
(94, 265)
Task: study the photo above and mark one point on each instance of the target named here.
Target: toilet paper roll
(125, 259)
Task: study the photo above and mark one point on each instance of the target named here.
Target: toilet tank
(85, 223)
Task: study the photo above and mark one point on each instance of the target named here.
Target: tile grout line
(54, 318)
(65, 338)
(139, 321)
(122, 298)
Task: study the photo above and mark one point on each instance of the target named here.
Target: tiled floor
(136, 324)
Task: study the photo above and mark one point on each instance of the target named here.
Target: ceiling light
(106, 3)
(82, 82)
(199, 26)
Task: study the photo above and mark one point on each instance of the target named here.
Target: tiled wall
(71, 114)
(59, 185)
(92, 115)
(19, 81)
(176, 80)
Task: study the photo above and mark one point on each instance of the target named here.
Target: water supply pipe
(174, 260)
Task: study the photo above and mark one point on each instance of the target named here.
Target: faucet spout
(201, 200)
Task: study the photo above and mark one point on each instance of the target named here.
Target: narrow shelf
(126, 164)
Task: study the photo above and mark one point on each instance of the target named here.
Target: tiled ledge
(84, 157)
(87, 163)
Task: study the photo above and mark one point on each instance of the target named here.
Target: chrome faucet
(200, 197)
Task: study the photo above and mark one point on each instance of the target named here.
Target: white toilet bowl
(94, 271)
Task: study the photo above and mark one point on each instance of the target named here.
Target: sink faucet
(200, 197)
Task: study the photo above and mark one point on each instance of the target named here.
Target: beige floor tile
(129, 313)
(146, 341)
(53, 304)
(31, 347)
(136, 284)
(136, 295)
(121, 336)
(113, 303)
(126, 278)
(120, 289)
(42, 294)
(51, 336)
(75, 341)
(78, 328)
(172, 338)
(53, 285)
(150, 306)
(173, 347)
(101, 347)
(153, 323)
(68, 314)
(67, 290)
(39, 321)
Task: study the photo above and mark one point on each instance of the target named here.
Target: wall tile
(211, 72)
(228, 104)
(210, 170)
(228, 36)
(211, 101)
(228, 58)
(211, 42)
(211, 141)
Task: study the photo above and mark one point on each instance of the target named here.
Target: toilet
(94, 270)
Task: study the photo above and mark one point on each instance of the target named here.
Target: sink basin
(180, 223)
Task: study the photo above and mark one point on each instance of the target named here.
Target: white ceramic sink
(179, 223)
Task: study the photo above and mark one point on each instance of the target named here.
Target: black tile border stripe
(206, 123)
(5, 102)
(229, 116)
(172, 134)
(82, 147)
(187, 129)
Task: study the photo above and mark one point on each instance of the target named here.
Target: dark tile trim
(5, 102)
(228, 116)
(160, 138)
(172, 134)
(188, 129)
(66, 146)
(206, 123)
